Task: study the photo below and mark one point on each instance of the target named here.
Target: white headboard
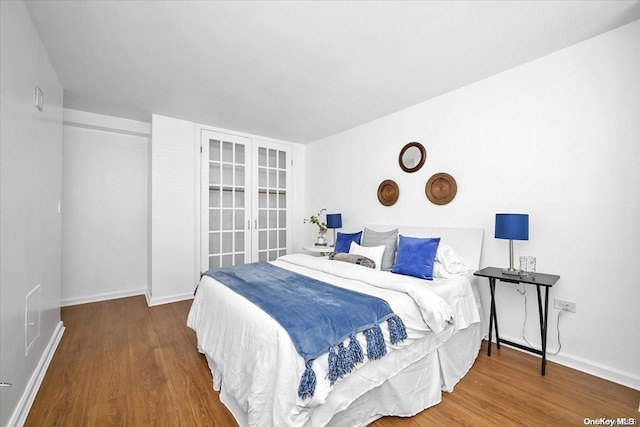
(467, 242)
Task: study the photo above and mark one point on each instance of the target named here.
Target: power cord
(523, 292)
(558, 329)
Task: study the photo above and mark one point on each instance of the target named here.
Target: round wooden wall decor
(388, 192)
(441, 188)
(412, 157)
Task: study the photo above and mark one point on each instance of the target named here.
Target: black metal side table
(537, 279)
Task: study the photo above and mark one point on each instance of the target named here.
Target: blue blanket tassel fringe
(397, 331)
(332, 374)
(354, 349)
(340, 363)
(307, 382)
(376, 348)
(343, 360)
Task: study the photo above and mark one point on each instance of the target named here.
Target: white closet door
(271, 200)
(226, 200)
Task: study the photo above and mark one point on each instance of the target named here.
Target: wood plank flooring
(123, 363)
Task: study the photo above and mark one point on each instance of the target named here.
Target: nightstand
(539, 280)
(322, 250)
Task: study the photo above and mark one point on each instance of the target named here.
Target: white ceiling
(295, 70)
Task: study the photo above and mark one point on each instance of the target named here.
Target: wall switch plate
(39, 99)
(32, 318)
(563, 305)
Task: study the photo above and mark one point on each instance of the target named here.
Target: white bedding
(253, 360)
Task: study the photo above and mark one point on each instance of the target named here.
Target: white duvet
(253, 359)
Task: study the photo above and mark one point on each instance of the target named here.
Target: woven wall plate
(441, 188)
(388, 192)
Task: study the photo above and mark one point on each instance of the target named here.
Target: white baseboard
(21, 412)
(608, 373)
(596, 369)
(102, 297)
(151, 301)
(115, 295)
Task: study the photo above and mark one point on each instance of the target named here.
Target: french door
(244, 200)
(270, 199)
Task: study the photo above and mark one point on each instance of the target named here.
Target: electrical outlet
(563, 305)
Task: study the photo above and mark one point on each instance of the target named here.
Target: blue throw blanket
(317, 316)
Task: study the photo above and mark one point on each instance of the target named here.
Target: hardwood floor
(123, 363)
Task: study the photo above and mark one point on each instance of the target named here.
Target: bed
(257, 369)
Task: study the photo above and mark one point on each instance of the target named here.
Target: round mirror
(412, 157)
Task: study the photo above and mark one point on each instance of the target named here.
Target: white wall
(30, 226)
(104, 237)
(558, 138)
(298, 206)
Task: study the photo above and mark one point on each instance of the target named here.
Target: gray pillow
(387, 238)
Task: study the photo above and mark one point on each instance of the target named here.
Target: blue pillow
(416, 256)
(343, 241)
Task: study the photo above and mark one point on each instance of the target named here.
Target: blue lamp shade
(334, 220)
(512, 226)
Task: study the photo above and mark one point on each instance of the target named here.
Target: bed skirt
(407, 393)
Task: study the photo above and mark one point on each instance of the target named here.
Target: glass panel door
(226, 202)
(272, 164)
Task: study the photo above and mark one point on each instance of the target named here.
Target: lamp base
(511, 271)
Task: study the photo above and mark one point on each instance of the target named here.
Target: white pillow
(449, 264)
(374, 253)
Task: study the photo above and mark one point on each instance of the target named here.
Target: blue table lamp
(334, 221)
(512, 227)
